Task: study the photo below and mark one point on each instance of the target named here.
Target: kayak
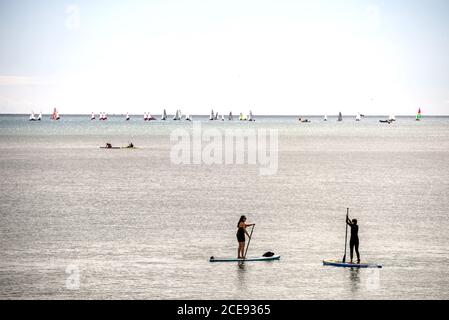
(213, 259)
(335, 263)
(118, 148)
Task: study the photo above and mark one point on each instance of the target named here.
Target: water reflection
(241, 274)
(354, 276)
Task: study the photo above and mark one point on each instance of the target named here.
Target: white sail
(39, 118)
(216, 116)
(358, 117)
(164, 115)
(32, 117)
(325, 118)
(222, 117)
(340, 117)
(392, 117)
(250, 117)
(145, 116)
(92, 117)
(188, 117)
(127, 116)
(176, 117)
(211, 115)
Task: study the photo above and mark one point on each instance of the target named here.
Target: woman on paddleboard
(241, 231)
(354, 242)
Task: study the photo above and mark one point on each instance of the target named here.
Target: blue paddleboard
(335, 263)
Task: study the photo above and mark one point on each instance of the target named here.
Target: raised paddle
(249, 241)
(346, 236)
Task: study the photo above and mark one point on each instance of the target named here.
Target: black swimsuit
(354, 234)
(241, 234)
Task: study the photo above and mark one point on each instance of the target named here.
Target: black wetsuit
(241, 234)
(354, 242)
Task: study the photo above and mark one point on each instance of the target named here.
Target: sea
(80, 222)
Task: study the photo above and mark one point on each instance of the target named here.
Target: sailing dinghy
(164, 115)
(340, 117)
(32, 117)
(419, 116)
(55, 115)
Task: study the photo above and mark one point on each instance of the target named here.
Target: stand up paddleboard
(213, 259)
(335, 263)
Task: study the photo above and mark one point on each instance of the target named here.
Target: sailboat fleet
(213, 116)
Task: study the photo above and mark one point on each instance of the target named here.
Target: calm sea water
(136, 226)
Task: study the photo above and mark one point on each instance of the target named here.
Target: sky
(287, 57)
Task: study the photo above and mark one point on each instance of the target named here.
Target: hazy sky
(274, 57)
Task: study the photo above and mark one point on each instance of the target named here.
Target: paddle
(249, 241)
(346, 236)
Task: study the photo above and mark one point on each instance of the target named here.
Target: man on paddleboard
(354, 242)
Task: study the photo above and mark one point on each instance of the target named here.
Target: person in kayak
(354, 242)
(130, 145)
(241, 231)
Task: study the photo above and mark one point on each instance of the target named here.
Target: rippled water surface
(135, 225)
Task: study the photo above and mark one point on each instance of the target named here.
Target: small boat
(39, 117)
(340, 117)
(211, 115)
(145, 117)
(230, 117)
(109, 146)
(325, 118)
(92, 117)
(385, 121)
(103, 117)
(358, 117)
(164, 115)
(55, 115)
(216, 116)
(222, 117)
(419, 116)
(304, 120)
(335, 263)
(127, 117)
(32, 117)
(250, 117)
(150, 117)
(250, 259)
(392, 118)
(242, 117)
(118, 148)
(188, 117)
(177, 116)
